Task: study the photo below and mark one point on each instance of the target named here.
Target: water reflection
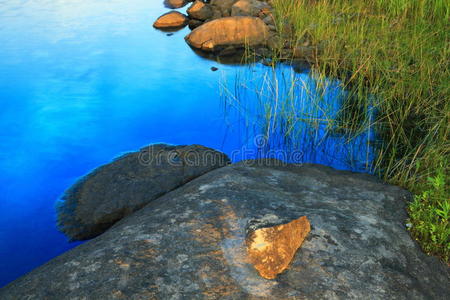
(296, 117)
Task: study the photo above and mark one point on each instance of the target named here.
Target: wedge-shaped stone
(271, 249)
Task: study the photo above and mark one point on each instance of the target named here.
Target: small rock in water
(214, 69)
(169, 34)
(271, 249)
(215, 35)
(175, 3)
(171, 20)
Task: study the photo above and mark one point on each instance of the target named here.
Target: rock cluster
(226, 27)
(219, 26)
(193, 242)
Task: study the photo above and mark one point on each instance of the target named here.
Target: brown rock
(271, 249)
(200, 11)
(231, 31)
(175, 3)
(242, 8)
(248, 8)
(170, 20)
(223, 7)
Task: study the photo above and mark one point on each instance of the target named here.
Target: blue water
(82, 81)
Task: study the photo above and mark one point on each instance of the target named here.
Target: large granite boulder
(191, 243)
(115, 190)
(221, 33)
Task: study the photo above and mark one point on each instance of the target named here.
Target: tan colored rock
(222, 8)
(200, 11)
(271, 249)
(242, 8)
(170, 20)
(248, 8)
(229, 31)
(175, 3)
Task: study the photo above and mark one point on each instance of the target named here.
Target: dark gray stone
(189, 243)
(115, 190)
(193, 23)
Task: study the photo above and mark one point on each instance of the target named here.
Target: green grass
(399, 51)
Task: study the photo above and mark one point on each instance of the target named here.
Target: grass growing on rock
(397, 50)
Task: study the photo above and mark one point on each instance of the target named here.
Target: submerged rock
(115, 190)
(171, 20)
(191, 243)
(232, 31)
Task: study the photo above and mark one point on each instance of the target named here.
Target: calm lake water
(83, 81)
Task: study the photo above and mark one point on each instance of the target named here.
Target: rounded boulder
(171, 20)
(230, 31)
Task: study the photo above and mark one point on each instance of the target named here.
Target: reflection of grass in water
(300, 112)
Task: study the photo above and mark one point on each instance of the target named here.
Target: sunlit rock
(271, 249)
(231, 31)
(175, 3)
(200, 11)
(171, 20)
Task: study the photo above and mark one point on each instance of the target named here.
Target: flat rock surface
(125, 185)
(190, 243)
